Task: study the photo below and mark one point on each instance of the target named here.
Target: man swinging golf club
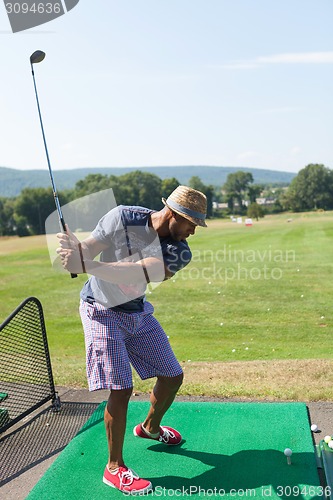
(136, 246)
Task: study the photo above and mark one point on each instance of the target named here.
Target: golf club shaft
(55, 195)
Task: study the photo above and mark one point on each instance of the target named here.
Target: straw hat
(188, 203)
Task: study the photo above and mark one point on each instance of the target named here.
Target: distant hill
(12, 181)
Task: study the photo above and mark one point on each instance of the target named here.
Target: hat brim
(194, 220)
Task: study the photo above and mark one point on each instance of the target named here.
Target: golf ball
(314, 427)
(288, 452)
(327, 439)
(330, 444)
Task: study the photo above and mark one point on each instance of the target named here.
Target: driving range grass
(251, 316)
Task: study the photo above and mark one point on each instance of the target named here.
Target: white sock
(154, 436)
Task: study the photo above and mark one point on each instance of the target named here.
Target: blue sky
(172, 82)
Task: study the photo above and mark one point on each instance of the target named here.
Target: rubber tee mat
(229, 450)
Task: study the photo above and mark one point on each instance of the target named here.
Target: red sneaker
(124, 479)
(168, 435)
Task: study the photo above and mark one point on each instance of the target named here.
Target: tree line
(311, 189)
(26, 214)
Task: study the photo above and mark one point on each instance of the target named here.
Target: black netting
(26, 380)
(42, 437)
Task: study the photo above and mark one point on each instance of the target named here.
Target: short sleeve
(176, 254)
(107, 226)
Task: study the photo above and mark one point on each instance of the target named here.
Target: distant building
(261, 201)
(219, 206)
(265, 201)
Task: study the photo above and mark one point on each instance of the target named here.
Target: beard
(176, 234)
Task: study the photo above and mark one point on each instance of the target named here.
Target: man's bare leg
(161, 398)
(115, 424)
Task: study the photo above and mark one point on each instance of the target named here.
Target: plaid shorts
(116, 340)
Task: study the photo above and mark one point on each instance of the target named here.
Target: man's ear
(171, 214)
(176, 216)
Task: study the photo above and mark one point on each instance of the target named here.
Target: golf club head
(37, 57)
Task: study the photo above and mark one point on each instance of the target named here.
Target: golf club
(37, 57)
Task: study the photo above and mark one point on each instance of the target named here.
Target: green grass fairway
(230, 450)
(250, 293)
(262, 291)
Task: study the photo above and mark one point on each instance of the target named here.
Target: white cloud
(239, 65)
(298, 58)
(295, 150)
(247, 155)
(281, 109)
(287, 58)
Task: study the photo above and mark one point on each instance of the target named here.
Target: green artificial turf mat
(4, 416)
(229, 450)
(3, 395)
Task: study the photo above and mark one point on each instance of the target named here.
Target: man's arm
(123, 272)
(127, 272)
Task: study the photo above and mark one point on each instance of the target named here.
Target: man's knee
(118, 398)
(121, 393)
(173, 383)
